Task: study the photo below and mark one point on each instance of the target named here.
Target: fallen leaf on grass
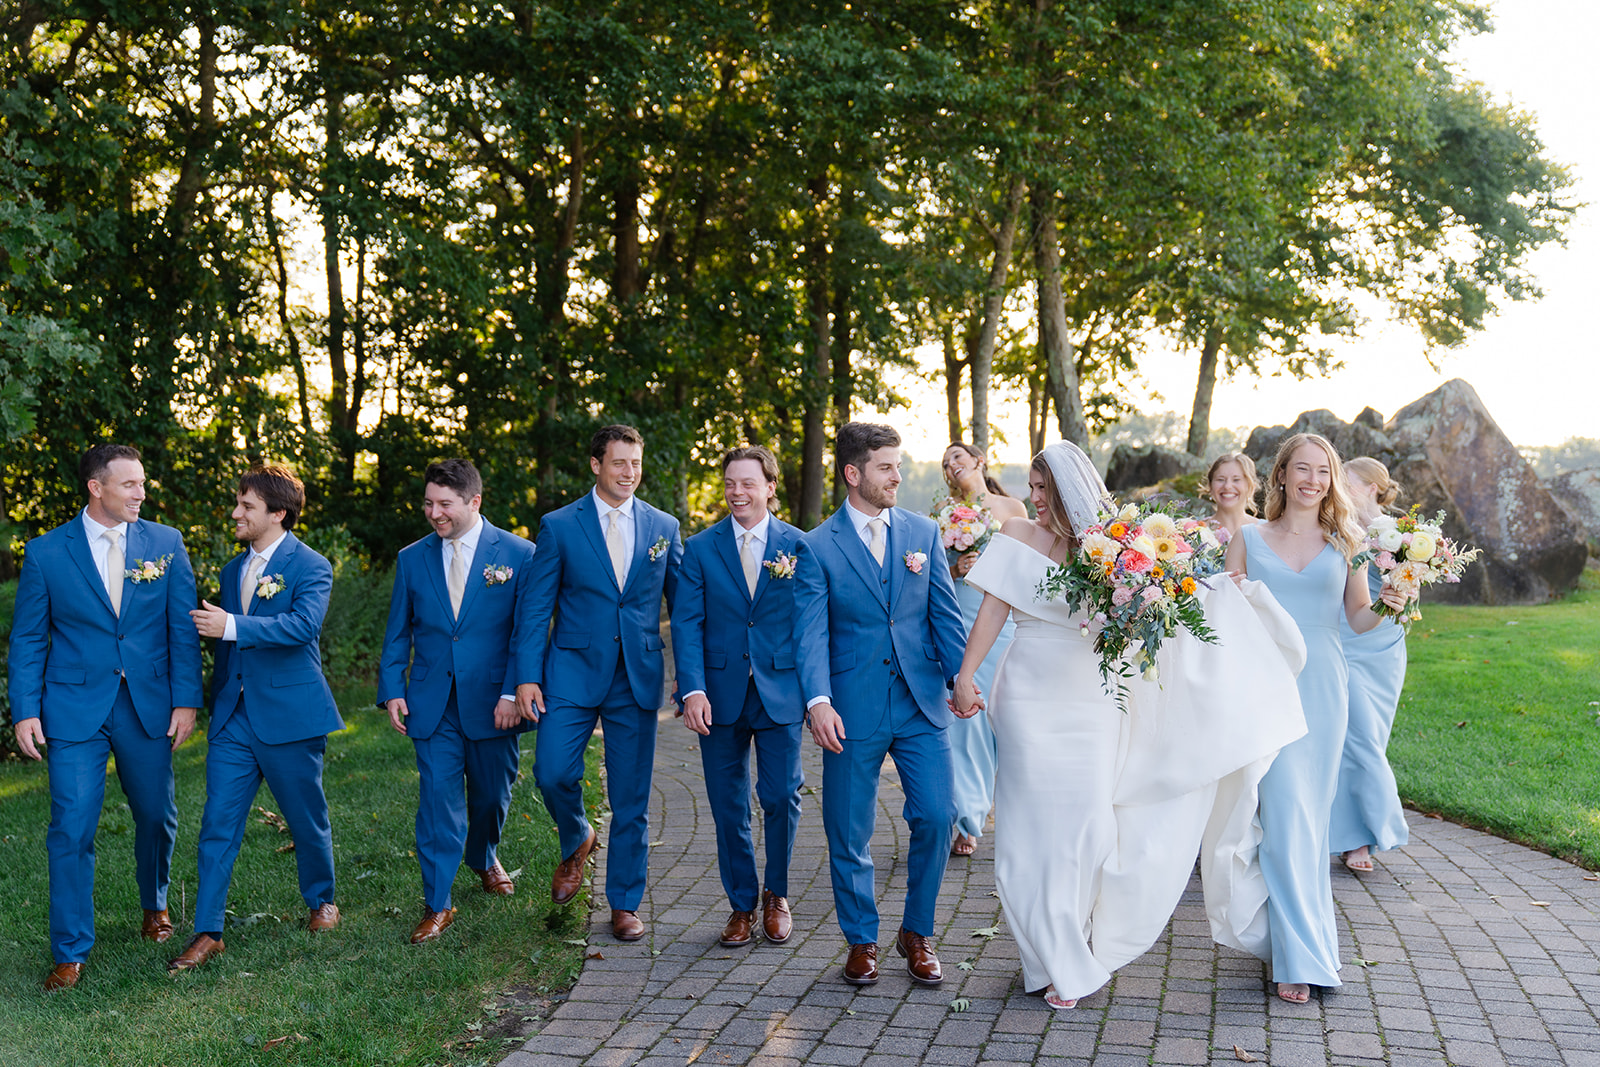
(1463, 722)
(514, 875)
(275, 1042)
(285, 848)
(1241, 1054)
(575, 941)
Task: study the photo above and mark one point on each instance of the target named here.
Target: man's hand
(209, 619)
(181, 726)
(30, 737)
(397, 712)
(530, 701)
(697, 714)
(506, 714)
(827, 729)
(967, 701)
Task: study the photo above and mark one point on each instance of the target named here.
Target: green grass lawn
(358, 995)
(1499, 724)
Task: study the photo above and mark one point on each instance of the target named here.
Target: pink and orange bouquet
(964, 526)
(1136, 574)
(1411, 552)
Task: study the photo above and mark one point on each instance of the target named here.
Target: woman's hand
(963, 564)
(968, 701)
(1393, 597)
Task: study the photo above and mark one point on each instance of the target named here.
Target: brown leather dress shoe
(737, 933)
(201, 948)
(921, 962)
(564, 884)
(862, 966)
(432, 925)
(775, 921)
(496, 880)
(626, 925)
(62, 976)
(157, 926)
(323, 917)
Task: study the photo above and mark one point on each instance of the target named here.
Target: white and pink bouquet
(964, 526)
(1136, 574)
(1411, 552)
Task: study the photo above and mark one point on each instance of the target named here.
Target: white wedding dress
(1099, 814)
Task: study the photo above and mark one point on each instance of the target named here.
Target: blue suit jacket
(857, 622)
(70, 652)
(276, 658)
(721, 635)
(574, 583)
(480, 653)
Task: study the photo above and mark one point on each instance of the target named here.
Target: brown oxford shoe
(564, 884)
(626, 925)
(496, 880)
(62, 976)
(921, 962)
(737, 933)
(775, 921)
(201, 948)
(862, 966)
(432, 925)
(323, 917)
(157, 926)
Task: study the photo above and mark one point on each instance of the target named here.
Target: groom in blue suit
(733, 644)
(453, 657)
(271, 708)
(104, 661)
(880, 639)
(603, 565)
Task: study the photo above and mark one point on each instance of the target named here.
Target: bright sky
(1535, 365)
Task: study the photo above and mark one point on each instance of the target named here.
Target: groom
(880, 638)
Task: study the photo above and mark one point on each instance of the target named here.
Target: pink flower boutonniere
(659, 549)
(783, 566)
(148, 570)
(915, 561)
(497, 575)
(269, 586)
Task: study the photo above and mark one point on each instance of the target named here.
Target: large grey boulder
(1136, 466)
(1363, 437)
(1579, 492)
(1449, 454)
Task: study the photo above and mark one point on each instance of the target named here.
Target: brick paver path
(1460, 949)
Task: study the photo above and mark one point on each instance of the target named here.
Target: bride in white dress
(1099, 815)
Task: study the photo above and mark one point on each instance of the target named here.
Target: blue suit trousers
(725, 757)
(237, 761)
(78, 792)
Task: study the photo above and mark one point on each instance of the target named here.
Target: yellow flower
(1421, 547)
(1166, 545)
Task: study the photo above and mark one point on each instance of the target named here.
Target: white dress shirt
(230, 631)
(96, 532)
(758, 535)
(469, 545)
(624, 516)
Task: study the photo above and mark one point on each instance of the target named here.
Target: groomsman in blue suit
(271, 708)
(603, 564)
(104, 661)
(880, 639)
(459, 618)
(733, 644)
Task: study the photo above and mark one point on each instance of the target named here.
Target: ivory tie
(875, 546)
(617, 547)
(747, 557)
(252, 574)
(114, 565)
(456, 580)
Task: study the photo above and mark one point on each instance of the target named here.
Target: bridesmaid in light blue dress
(1366, 810)
(972, 743)
(1301, 553)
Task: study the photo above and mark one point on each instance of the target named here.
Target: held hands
(530, 701)
(827, 729)
(968, 700)
(181, 726)
(397, 712)
(209, 620)
(697, 714)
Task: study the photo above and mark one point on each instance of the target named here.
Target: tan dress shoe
(862, 966)
(323, 917)
(201, 948)
(432, 925)
(567, 880)
(775, 921)
(62, 976)
(157, 926)
(737, 933)
(921, 962)
(496, 880)
(626, 925)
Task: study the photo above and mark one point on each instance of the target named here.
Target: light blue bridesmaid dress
(1366, 809)
(1297, 793)
(972, 744)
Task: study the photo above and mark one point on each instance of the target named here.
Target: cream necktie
(252, 574)
(747, 557)
(114, 565)
(875, 545)
(617, 547)
(456, 579)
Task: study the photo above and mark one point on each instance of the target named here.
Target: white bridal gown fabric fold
(1099, 815)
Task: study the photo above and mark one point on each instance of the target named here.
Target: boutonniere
(915, 560)
(493, 575)
(269, 586)
(148, 570)
(783, 566)
(659, 548)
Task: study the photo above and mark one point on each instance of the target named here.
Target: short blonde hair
(1336, 512)
(1372, 472)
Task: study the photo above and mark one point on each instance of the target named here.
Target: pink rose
(1135, 562)
(1121, 595)
(962, 513)
(1385, 561)
(1150, 593)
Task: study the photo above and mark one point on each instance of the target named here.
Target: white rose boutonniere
(269, 586)
(915, 561)
(659, 549)
(148, 570)
(497, 575)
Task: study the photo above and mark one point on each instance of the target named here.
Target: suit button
(747, 655)
(618, 640)
(891, 622)
(455, 638)
(239, 676)
(885, 663)
(752, 622)
(120, 637)
(449, 674)
(118, 670)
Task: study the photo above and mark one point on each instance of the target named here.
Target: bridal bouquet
(963, 526)
(1136, 573)
(1410, 553)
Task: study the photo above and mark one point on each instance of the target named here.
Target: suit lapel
(778, 540)
(229, 598)
(78, 548)
(488, 551)
(280, 563)
(727, 540)
(849, 542)
(589, 521)
(644, 533)
(433, 563)
(899, 542)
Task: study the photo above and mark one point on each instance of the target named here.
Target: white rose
(1421, 547)
(1388, 539)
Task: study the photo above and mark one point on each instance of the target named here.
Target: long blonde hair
(1375, 473)
(1247, 467)
(1336, 513)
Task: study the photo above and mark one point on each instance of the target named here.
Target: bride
(1099, 815)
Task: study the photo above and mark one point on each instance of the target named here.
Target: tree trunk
(1060, 368)
(1200, 413)
(843, 342)
(332, 203)
(952, 381)
(296, 357)
(994, 299)
(625, 239)
(813, 423)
